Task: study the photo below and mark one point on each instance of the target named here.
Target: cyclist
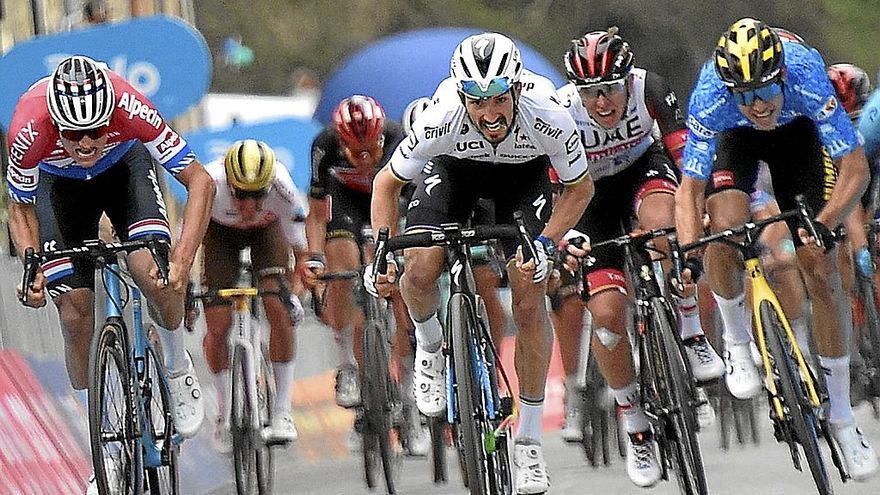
(616, 106)
(94, 138)
(345, 157)
(492, 132)
(255, 205)
(762, 99)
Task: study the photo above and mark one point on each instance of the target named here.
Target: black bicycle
(481, 417)
(667, 386)
(865, 362)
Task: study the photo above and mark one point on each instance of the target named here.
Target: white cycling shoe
(283, 429)
(186, 398)
(429, 381)
(574, 413)
(531, 469)
(221, 437)
(859, 456)
(642, 465)
(705, 411)
(706, 364)
(742, 379)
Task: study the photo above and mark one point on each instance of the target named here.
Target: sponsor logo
(529, 86)
(432, 182)
(21, 178)
(629, 129)
(670, 99)
(827, 109)
(22, 142)
(545, 128)
(571, 145)
(461, 147)
(699, 129)
(413, 204)
(170, 141)
(464, 129)
(407, 148)
(554, 99)
(722, 178)
(135, 107)
(539, 203)
(160, 200)
(436, 132)
(50, 245)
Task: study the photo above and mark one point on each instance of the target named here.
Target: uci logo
(469, 145)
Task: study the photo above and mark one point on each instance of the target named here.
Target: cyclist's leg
(568, 321)
(487, 276)
(727, 203)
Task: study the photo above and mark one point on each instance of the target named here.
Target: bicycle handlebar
(95, 249)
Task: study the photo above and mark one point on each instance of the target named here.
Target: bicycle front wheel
(801, 418)
(677, 390)
(870, 335)
(244, 457)
(265, 461)
(162, 479)
(113, 433)
(378, 402)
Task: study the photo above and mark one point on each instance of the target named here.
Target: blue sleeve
(869, 126)
(704, 122)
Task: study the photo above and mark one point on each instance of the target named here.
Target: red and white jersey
(283, 203)
(541, 127)
(650, 102)
(35, 145)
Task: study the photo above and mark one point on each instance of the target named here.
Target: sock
(345, 348)
(221, 389)
(530, 413)
(801, 334)
(429, 333)
(836, 371)
(689, 316)
(174, 349)
(737, 327)
(283, 386)
(634, 418)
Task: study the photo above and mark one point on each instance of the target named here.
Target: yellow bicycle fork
(761, 291)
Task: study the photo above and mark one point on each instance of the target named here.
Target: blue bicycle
(131, 428)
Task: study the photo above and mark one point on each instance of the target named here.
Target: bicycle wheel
(114, 435)
(595, 424)
(801, 417)
(676, 389)
(471, 416)
(870, 335)
(162, 479)
(265, 400)
(378, 402)
(244, 456)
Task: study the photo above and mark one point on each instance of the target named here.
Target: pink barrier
(38, 455)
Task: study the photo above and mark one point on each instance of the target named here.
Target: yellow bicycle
(794, 394)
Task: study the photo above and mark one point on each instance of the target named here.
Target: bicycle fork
(243, 341)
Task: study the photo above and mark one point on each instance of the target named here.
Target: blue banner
(290, 138)
(163, 57)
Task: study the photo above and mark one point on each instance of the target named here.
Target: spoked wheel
(800, 416)
(379, 402)
(244, 455)
(595, 424)
(161, 461)
(869, 337)
(114, 437)
(264, 455)
(676, 389)
(437, 427)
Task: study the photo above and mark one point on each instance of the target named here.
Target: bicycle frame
(245, 338)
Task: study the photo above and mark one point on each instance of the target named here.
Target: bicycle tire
(437, 427)
(595, 424)
(243, 451)
(163, 480)
(377, 399)
(265, 460)
(678, 388)
(109, 365)
(871, 330)
(801, 417)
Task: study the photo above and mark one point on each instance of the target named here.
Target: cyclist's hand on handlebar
(537, 268)
(382, 284)
(178, 277)
(686, 286)
(36, 294)
(313, 268)
(577, 247)
(826, 236)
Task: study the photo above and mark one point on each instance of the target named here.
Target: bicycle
(865, 363)
(793, 392)
(252, 380)
(381, 403)
(131, 422)
(480, 416)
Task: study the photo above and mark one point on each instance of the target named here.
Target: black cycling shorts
(613, 207)
(797, 162)
(448, 189)
(349, 212)
(68, 212)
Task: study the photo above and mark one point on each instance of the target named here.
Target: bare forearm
(23, 226)
(197, 213)
(316, 228)
(852, 180)
(383, 206)
(689, 210)
(569, 208)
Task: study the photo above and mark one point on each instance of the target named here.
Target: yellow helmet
(250, 165)
(749, 55)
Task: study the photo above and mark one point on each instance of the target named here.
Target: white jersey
(542, 127)
(283, 203)
(610, 151)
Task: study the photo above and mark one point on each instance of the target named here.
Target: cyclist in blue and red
(762, 99)
(82, 143)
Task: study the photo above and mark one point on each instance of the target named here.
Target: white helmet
(412, 112)
(79, 94)
(486, 65)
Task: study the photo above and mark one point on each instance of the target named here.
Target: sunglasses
(77, 136)
(498, 86)
(239, 194)
(764, 93)
(606, 89)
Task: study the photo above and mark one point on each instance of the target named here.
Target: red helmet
(786, 35)
(598, 57)
(359, 121)
(852, 86)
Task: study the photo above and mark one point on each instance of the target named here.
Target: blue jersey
(869, 127)
(806, 91)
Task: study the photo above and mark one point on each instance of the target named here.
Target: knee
(609, 311)
(820, 275)
(420, 277)
(76, 314)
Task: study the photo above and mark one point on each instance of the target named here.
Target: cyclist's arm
(663, 107)
(316, 225)
(689, 203)
(384, 205)
(23, 226)
(569, 208)
(852, 179)
(200, 196)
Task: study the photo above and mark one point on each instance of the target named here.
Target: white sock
(634, 418)
(345, 347)
(689, 313)
(174, 349)
(737, 327)
(221, 390)
(283, 386)
(429, 333)
(801, 334)
(836, 372)
(530, 413)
